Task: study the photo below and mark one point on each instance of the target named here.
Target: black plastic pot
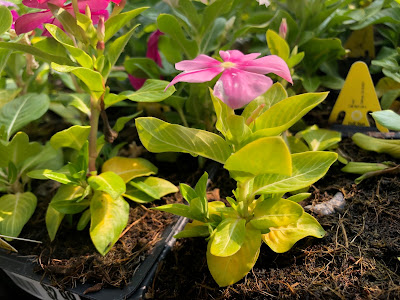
(21, 270)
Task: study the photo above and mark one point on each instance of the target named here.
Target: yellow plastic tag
(361, 43)
(357, 98)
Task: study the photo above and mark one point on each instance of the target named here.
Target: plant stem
(94, 124)
(243, 195)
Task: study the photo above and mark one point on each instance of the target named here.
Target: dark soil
(357, 259)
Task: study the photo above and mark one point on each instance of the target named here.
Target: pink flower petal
(94, 5)
(196, 76)
(97, 14)
(32, 21)
(236, 56)
(200, 62)
(237, 88)
(152, 47)
(42, 3)
(136, 82)
(15, 16)
(268, 64)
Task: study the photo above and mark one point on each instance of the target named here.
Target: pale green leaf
(268, 155)
(194, 229)
(272, 96)
(73, 137)
(222, 111)
(299, 197)
(387, 118)
(176, 209)
(154, 186)
(277, 45)
(363, 167)
(108, 182)
(275, 213)
(159, 136)
(151, 91)
(108, 219)
(81, 56)
(16, 210)
(92, 79)
(281, 239)
(228, 237)
(391, 147)
(321, 139)
(230, 269)
(115, 23)
(308, 167)
(286, 113)
(6, 19)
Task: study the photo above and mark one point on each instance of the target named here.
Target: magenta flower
(35, 20)
(152, 53)
(15, 17)
(242, 78)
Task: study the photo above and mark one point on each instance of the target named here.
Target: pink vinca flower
(31, 21)
(152, 53)
(242, 78)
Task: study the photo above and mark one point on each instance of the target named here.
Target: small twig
(133, 224)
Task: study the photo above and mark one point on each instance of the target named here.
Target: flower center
(228, 65)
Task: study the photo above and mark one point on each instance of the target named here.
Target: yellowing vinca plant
(259, 160)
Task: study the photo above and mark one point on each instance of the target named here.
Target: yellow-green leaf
(129, 168)
(281, 239)
(268, 155)
(230, 269)
(73, 137)
(228, 237)
(108, 219)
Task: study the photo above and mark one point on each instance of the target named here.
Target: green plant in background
(255, 155)
(390, 120)
(89, 53)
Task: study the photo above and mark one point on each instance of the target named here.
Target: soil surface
(357, 259)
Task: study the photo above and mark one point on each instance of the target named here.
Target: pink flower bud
(283, 28)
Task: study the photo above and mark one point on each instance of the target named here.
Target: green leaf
(53, 216)
(321, 139)
(92, 79)
(281, 239)
(81, 56)
(108, 219)
(83, 220)
(39, 54)
(230, 269)
(8, 95)
(6, 19)
(275, 213)
(214, 10)
(188, 193)
(363, 167)
(4, 55)
(211, 41)
(129, 168)
(228, 237)
(222, 111)
(23, 110)
(142, 67)
(63, 178)
(16, 210)
(137, 195)
(154, 187)
(169, 25)
(108, 182)
(115, 23)
(286, 113)
(299, 197)
(275, 94)
(391, 147)
(18, 150)
(263, 156)
(307, 168)
(159, 136)
(387, 118)
(151, 91)
(296, 145)
(176, 209)
(277, 45)
(115, 49)
(73, 137)
(71, 206)
(194, 229)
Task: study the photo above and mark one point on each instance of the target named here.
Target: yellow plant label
(361, 43)
(357, 98)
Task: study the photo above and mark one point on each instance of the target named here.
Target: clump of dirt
(357, 259)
